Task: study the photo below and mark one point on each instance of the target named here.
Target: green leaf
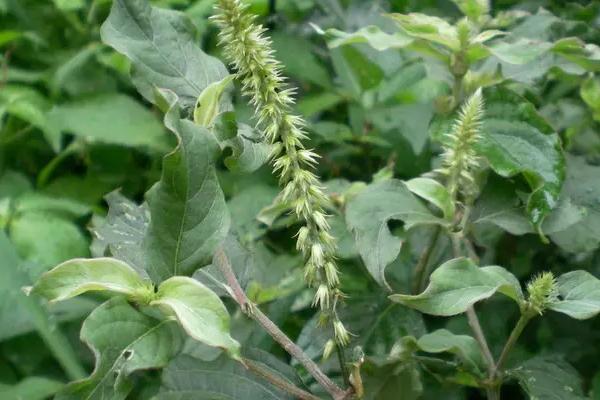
(248, 146)
(429, 28)
(199, 311)
(500, 204)
(162, 46)
(367, 216)
(392, 380)
(583, 187)
(579, 295)
(208, 105)
(122, 233)
(376, 323)
(463, 346)
(187, 378)
(458, 284)
(81, 275)
(31, 388)
(123, 341)
(549, 378)
(590, 93)
(409, 121)
(517, 140)
(297, 54)
(372, 35)
(356, 72)
(435, 193)
(110, 118)
(522, 51)
(30, 106)
(189, 217)
(46, 238)
(17, 311)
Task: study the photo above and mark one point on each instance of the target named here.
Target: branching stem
(273, 330)
(278, 381)
(512, 339)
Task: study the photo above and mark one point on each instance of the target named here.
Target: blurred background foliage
(73, 128)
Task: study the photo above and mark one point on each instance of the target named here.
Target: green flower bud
(542, 291)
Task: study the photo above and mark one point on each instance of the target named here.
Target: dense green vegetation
(416, 205)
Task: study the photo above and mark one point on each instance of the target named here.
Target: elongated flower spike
(460, 159)
(250, 54)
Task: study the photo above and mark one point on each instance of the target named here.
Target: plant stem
(419, 274)
(493, 393)
(512, 339)
(273, 330)
(481, 340)
(278, 381)
(342, 361)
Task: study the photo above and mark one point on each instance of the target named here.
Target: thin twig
(273, 330)
(278, 381)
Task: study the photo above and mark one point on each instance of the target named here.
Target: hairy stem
(480, 337)
(273, 330)
(278, 381)
(512, 339)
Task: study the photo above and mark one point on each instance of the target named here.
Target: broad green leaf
(163, 48)
(30, 106)
(314, 104)
(199, 311)
(463, 346)
(187, 378)
(590, 93)
(189, 217)
(583, 187)
(430, 28)
(522, 51)
(297, 54)
(393, 380)
(435, 193)
(122, 233)
(208, 105)
(60, 206)
(549, 378)
(356, 72)
(46, 238)
(81, 275)
(375, 321)
(458, 284)
(372, 35)
(110, 118)
(31, 388)
(500, 204)
(243, 265)
(579, 295)
(9, 36)
(249, 149)
(123, 340)
(404, 121)
(18, 311)
(517, 140)
(14, 184)
(368, 214)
